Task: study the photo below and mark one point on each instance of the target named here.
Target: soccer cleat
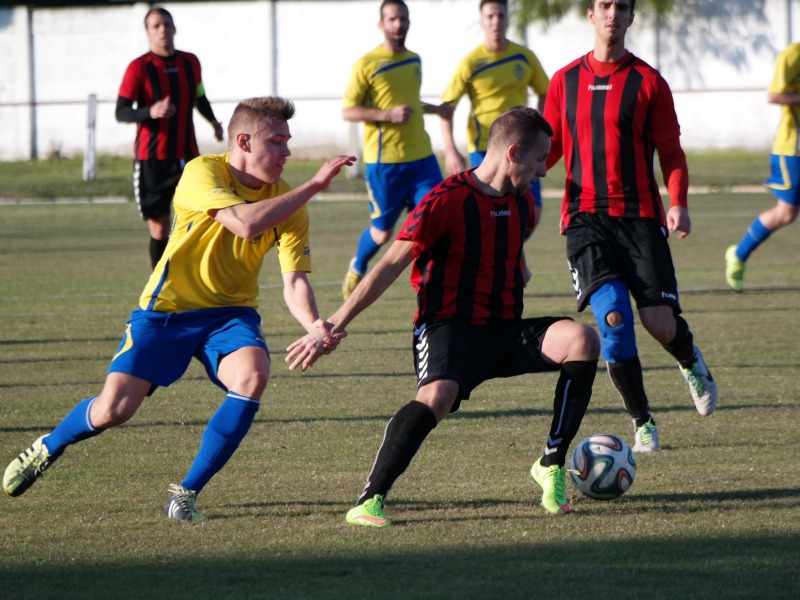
(351, 280)
(24, 470)
(734, 269)
(369, 514)
(701, 385)
(646, 438)
(180, 505)
(552, 480)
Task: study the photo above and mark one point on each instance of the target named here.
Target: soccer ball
(602, 466)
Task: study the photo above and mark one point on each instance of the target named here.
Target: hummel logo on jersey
(500, 213)
(600, 88)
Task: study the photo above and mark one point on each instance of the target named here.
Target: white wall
(717, 67)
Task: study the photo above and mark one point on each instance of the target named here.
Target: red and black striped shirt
(467, 252)
(150, 78)
(607, 127)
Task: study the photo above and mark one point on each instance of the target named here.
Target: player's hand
(399, 114)
(446, 110)
(454, 162)
(331, 169)
(162, 109)
(304, 352)
(678, 220)
(219, 132)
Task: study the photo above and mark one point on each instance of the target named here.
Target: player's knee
(586, 343)
(380, 236)
(614, 315)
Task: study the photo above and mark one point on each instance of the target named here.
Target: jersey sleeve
(552, 114)
(664, 120)
(294, 251)
(457, 86)
(539, 81)
(357, 87)
(131, 86)
(786, 75)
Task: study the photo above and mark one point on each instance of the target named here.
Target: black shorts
(602, 248)
(154, 183)
(471, 354)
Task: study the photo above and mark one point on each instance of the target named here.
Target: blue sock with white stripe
(755, 235)
(222, 437)
(366, 249)
(75, 428)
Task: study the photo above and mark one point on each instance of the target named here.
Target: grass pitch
(716, 513)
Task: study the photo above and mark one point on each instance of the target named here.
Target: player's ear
(511, 153)
(243, 141)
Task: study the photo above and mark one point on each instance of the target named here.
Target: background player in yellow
(200, 301)
(784, 181)
(400, 168)
(495, 76)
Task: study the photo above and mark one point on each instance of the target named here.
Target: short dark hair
(397, 2)
(633, 4)
(161, 11)
(249, 114)
(519, 125)
(503, 2)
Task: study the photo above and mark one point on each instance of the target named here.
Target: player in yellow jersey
(400, 168)
(200, 302)
(785, 164)
(495, 76)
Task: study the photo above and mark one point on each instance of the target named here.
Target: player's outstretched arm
(301, 353)
(249, 220)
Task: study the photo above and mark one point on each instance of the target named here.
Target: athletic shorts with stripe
(601, 248)
(154, 183)
(471, 354)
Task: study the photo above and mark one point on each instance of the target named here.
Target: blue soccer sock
(222, 437)
(366, 249)
(75, 427)
(755, 235)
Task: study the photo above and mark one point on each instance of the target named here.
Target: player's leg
(784, 182)
(120, 398)
(154, 183)
(243, 371)
(403, 437)
(548, 344)
(385, 205)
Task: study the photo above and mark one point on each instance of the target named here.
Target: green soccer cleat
(734, 270)
(701, 385)
(647, 438)
(181, 504)
(24, 470)
(351, 280)
(552, 480)
(369, 514)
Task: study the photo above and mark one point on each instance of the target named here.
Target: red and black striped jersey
(467, 252)
(150, 78)
(607, 127)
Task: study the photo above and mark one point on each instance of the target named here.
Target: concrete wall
(718, 64)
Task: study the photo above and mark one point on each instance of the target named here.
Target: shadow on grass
(373, 564)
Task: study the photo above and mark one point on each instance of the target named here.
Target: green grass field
(715, 514)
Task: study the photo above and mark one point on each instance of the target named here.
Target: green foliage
(716, 513)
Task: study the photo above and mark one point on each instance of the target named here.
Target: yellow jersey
(383, 80)
(204, 264)
(786, 80)
(494, 83)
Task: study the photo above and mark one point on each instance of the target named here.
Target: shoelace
(697, 380)
(647, 434)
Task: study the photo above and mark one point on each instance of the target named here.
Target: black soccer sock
(573, 392)
(404, 434)
(157, 248)
(682, 345)
(627, 377)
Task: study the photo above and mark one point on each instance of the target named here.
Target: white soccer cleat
(701, 385)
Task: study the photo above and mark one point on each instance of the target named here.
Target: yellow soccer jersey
(786, 80)
(383, 80)
(494, 83)
(204, 264)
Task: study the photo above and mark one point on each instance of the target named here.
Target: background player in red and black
(465, 240)
(610, 113)
(166, 85)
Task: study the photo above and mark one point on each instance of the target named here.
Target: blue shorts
(785, 178)
(476, 158)
(395, 186)
(158, 347)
